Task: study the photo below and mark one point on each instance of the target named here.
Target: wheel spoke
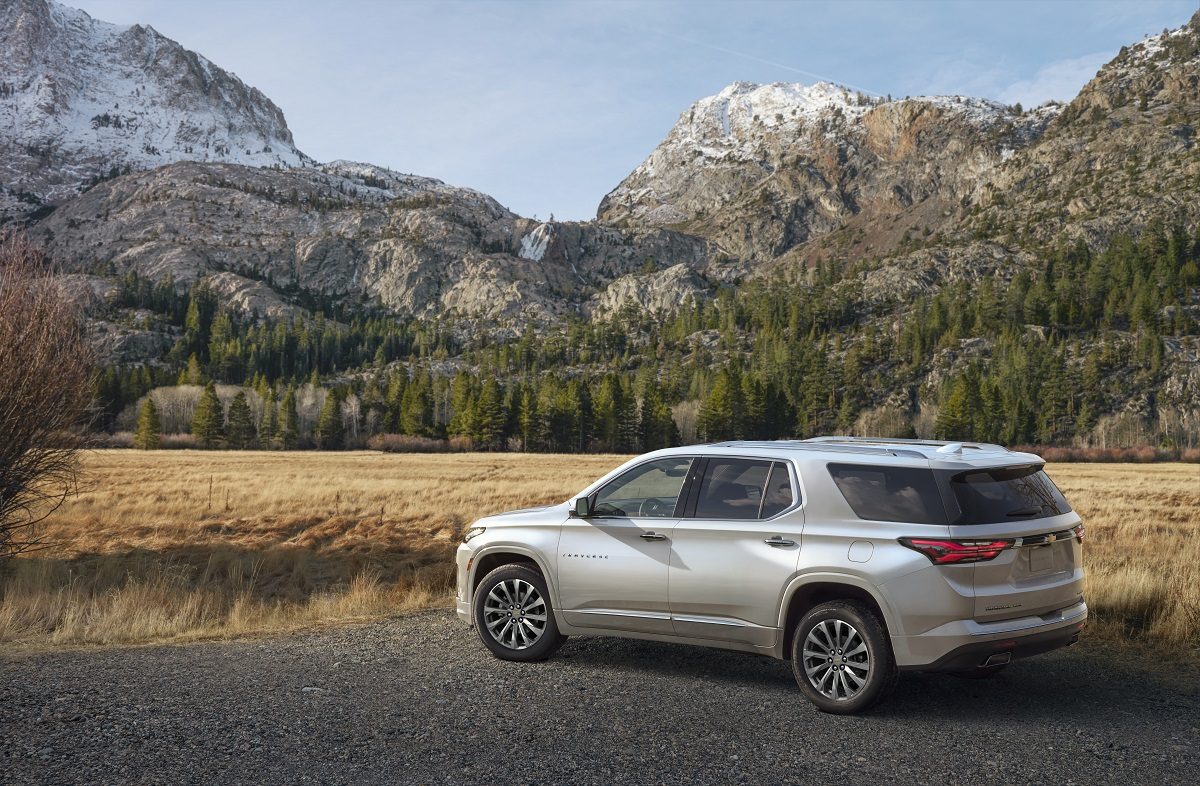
(861, 648)
(858, 681)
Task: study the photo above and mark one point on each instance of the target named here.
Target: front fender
(512, 548)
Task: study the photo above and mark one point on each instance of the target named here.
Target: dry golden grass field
(177, 545)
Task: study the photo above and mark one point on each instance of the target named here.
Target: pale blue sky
(548, 105)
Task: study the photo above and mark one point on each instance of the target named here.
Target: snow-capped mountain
(801, 160)
(82, 100)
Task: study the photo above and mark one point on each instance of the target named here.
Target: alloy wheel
(836, 660)
(515, 614)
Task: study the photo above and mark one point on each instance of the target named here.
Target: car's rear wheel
(842, 658)
(513, 616)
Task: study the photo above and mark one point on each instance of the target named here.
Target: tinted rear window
(1005, 494)
(732, 489)
(908, 494)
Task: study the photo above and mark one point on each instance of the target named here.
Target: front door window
(649, 490)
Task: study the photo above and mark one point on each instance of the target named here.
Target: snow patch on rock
(534, 245)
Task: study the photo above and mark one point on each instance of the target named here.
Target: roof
(929, 450)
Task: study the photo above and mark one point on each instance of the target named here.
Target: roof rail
(871, 449)
(797, 444)
(928, 443)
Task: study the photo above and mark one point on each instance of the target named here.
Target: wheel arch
(488, 559)
(806, 592)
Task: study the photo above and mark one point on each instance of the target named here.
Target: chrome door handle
(652, 536)
(778, 541)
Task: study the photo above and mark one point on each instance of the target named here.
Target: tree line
(1041, 356)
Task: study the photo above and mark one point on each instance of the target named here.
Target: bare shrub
(407, 443)
(46, 369)
(120, 439)
(885, 421)
(686, 415)
(925, 421)
(182, 441)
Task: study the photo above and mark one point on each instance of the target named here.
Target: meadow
(183, 545)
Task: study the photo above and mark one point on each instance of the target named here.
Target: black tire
(879, 665)
(501, 580)
(981, 673)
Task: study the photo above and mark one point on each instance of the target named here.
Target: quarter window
(743, 489)
(779, 491)
(649, 490)
(906, 494)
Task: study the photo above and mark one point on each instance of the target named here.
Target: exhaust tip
(998, 659)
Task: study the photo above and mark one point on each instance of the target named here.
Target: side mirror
(582, 508)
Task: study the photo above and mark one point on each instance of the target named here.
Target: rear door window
(1005, 494)
(743, 489)
(905, 494)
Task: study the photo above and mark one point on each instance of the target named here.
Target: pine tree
(488, 427)
(148, 427)
(192, 375)
(208, 422)
(416, 416)
(658, 429)
(956, 417)
(527, 419)
(394, 401)
(721, 411)
(329, 434)
(270, 421)
(289, 421)
(462, 406)
(239, 428)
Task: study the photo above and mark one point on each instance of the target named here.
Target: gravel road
(418, 700)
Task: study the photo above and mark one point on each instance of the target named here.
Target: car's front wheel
(513, 615)
(842, 658)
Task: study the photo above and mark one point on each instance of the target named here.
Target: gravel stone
(417, 699)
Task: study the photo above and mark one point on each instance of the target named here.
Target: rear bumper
(967, 644)
(974, 656)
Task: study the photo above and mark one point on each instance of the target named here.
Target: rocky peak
(82, 100)
(762, 169)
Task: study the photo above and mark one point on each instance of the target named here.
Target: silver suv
(853, 558)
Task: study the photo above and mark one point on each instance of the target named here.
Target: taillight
(956, 552)
(1078, 530)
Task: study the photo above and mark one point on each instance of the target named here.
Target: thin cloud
(1057, 81)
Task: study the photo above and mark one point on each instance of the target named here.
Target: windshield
(1005, 494)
